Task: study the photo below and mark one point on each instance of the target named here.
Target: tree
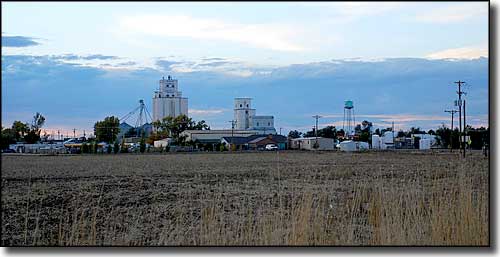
(38, 121)
(19, 129)
(96, 147)
(173, 126)
(33, 134)
(8, 137)
(107, 129)
(32, 137)
(377, 132)
(116, 147)
(294, 134)
(142, 145)
(85, 148)
(109, 149)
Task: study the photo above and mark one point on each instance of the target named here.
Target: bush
(116, 147)
(142, 145)
(109, 149)
(85, 148)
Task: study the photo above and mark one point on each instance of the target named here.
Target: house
(312, 143)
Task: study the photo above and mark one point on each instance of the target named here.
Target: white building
(246, 119)
(353, 146)
(168, 100)
(308, 143)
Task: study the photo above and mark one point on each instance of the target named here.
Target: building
(168, 100)
(353, 146)
(162, 142)
(308, 143)
(255, 142)
(214, 136)
(246, 119)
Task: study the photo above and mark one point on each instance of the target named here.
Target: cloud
(419, 90)
(206, 111)
(267, 36)
(460, 53)
(18, 41)
(74, 57)
(454, 13)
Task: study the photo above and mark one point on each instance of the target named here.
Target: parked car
(271, 147)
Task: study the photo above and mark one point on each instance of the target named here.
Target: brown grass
(290, 198)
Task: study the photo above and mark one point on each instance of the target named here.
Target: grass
(290, 198)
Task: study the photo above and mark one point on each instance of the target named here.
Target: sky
(77, 63)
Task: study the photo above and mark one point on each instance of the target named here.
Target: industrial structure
(349, 119)
(245, 117)
(168, 100)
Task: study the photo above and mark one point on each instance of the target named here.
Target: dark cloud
(388, 86)
(18, 41)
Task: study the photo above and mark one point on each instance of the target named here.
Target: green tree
(96, 147)
(107, 129)
(174, 126)
(109, 149)
(116, 147)
(8, 137)
(33, 134)
(85, 148)
(142, 145)
(19, 129)
(294, 134)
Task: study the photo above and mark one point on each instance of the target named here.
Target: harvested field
(268, 198)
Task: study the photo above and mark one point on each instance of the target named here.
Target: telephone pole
(451, 127)
(459, 104)
(316, 130)
(465, 130)
(74, 133)
(232, 133)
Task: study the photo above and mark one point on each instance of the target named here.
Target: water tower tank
(348, 104)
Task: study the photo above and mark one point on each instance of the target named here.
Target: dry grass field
(285, 198)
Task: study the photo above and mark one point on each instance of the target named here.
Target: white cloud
(454, 13)
(205, 111)
(268, 36)
(460, 53)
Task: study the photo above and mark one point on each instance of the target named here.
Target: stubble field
(271, 198)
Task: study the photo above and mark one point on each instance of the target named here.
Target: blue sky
(79, 62)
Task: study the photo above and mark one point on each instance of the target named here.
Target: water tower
(349, 120)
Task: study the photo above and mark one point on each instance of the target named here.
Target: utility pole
(232, 134)
(74, 133)
(451, 133)
(316, 130)
(465, 130)
(280, 131)
(58, 135)
(459, 104)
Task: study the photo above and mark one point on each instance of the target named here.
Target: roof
(255, 139)
(219, 131)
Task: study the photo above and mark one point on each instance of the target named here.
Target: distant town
(171, 130)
